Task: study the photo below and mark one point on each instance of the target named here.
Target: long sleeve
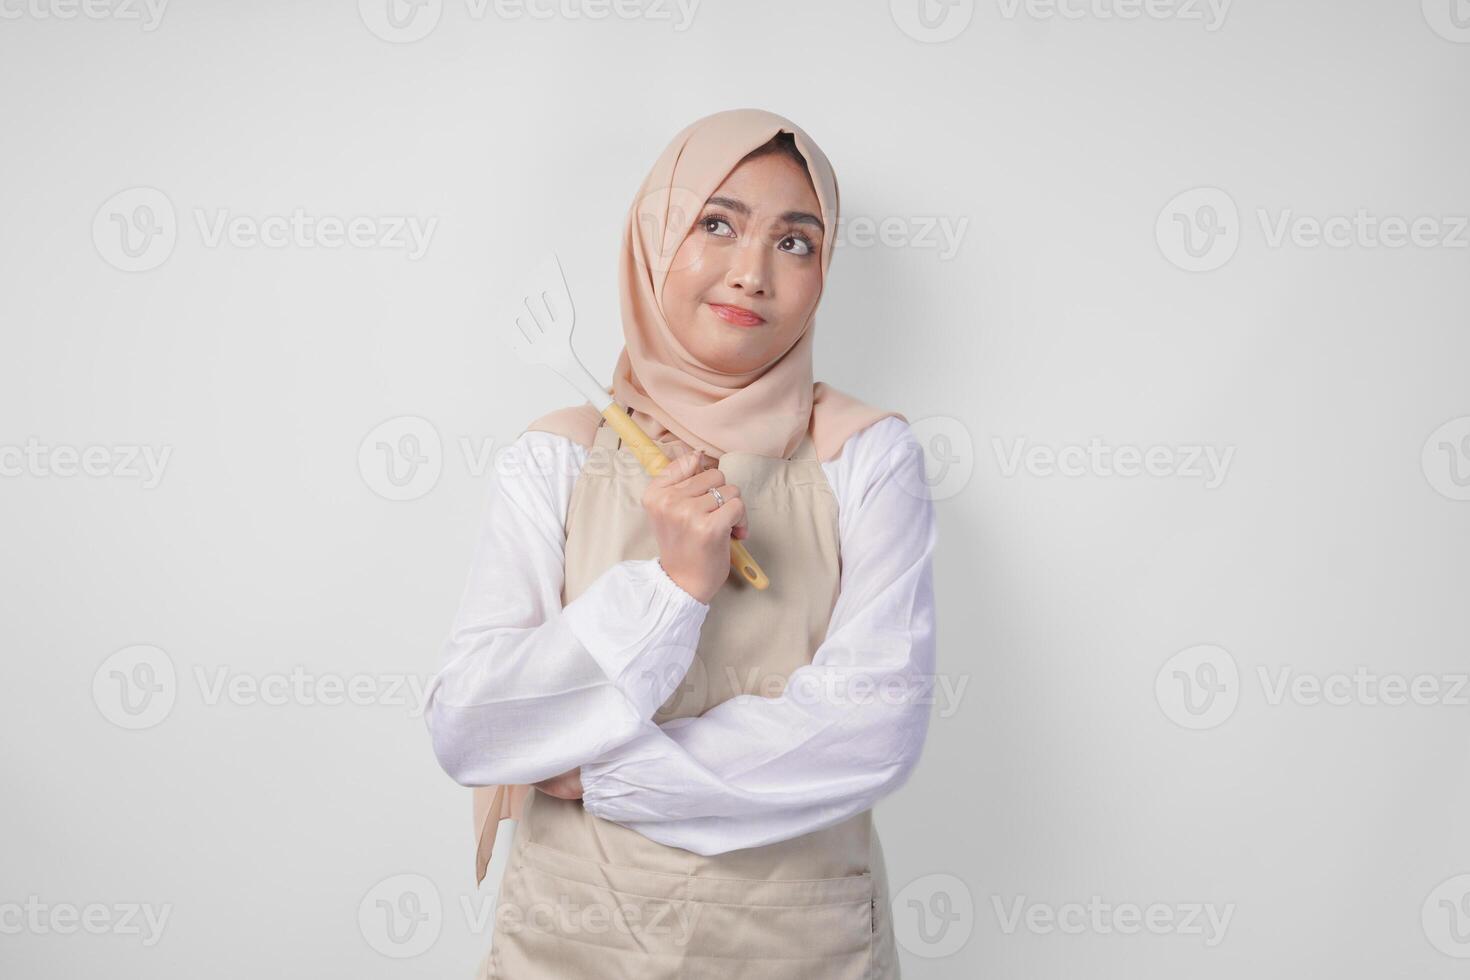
(849, 726)
(529, 689)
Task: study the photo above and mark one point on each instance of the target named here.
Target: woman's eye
(803, 247)
(713, 221)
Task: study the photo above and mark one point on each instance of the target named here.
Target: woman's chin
(722, 346)
(730, 358)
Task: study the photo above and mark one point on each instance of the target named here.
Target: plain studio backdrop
(1173, 292)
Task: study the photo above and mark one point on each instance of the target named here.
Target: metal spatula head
(539, 328)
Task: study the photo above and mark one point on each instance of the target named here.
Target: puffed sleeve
(849, 726)
(528, 689)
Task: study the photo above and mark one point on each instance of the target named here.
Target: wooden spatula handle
(653, 460)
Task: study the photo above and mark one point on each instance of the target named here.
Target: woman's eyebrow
(791, 217)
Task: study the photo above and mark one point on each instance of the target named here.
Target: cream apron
(586, 899)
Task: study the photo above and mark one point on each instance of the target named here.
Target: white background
(1083, 758)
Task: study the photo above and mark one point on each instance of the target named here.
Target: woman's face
(748, 275)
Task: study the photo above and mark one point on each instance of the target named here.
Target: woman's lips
(737, 315)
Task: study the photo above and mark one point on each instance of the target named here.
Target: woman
(705, 755)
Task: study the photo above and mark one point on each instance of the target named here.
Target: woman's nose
(748, 269)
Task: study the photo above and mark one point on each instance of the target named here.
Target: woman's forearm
(520, 704)
(528, 689)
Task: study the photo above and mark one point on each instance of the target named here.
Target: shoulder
(879, 437)
(550, 451)
(882, 444)
(538, 470)
(576, 423)
(882, 453)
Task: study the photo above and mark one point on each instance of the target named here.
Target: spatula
(539, 327)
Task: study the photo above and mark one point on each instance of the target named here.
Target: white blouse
(530, 690)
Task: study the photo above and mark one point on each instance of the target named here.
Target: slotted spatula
(539, 327)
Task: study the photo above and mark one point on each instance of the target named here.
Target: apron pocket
(572, 917)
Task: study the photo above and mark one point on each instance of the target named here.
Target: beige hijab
(674, 396)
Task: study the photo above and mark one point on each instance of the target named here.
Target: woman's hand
(567, 786)
(693, 531)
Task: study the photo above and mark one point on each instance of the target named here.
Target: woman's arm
(849, 726)
(528, 689)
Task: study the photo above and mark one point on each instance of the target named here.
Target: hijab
(674, 397)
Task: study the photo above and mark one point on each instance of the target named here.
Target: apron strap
(806, 449)
(607, 437)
